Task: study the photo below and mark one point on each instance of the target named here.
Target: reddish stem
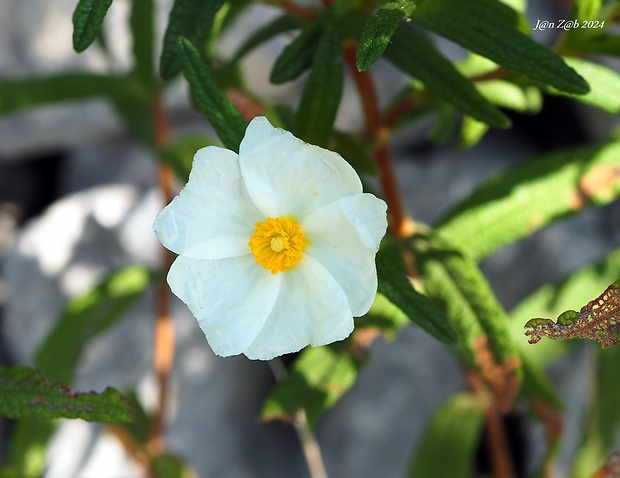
(164, 331)
(375, 129)
(499, 450)
(297, 10)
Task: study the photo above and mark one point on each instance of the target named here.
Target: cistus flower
(276, 244)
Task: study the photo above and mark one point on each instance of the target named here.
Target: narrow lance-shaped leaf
(457, 286)
(479, 29)
(131, 102)
(415, 54)
(394, 285)
(449, 442)
(82, 319)
(209, 98)
(323, 91)
(87, 19)
(598, 320)
(142, 32)
(24, 391)
(604, 85)
(280, 25)
(192, 19)
(86, 316)
(527, 197)
(378, 32)
(297, 56)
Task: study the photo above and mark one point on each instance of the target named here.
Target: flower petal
(280, 171)
(344, 237)
(311, 309)
(231, 298)
(213, 217)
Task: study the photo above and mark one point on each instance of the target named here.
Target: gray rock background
(102, 187)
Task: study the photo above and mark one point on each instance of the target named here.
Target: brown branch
(297, 10)
(401, 225)
(499, 451)
(164, 332)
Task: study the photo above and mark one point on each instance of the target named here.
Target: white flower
(276, 245)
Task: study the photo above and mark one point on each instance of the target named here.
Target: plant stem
(376, 131)
(309, 445)
(499, 450)
(164, 331)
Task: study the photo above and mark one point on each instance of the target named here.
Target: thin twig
(164, 331)
(309, 445)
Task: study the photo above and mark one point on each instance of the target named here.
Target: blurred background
(78, 195)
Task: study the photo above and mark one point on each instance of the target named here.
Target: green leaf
(297, 56)
(209, 98)
(479, 29)
(525, 99)
(24, 391)
(192, 19)
(384, 315)
(515, 203)
(87, 316)
(472, 132)
(394, 285)
(586, 10)
(356, 154)
(142, 32)
(457, 286)
(444, 127)
(170, 466)
(323, 91)
(378, 32)
(280, 25)
(604, 85)
(87, 19)
(179, 153)
(319, 377)
(449, 444)
(131, 102)
(415, 54)
(83, 318)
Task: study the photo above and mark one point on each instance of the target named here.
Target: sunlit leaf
(87, 19)
(319, 377)
(209, 98)
(472, 132)
(604, 85)
(378, 32)
(24, 391)
(515, 203)
(474, 26)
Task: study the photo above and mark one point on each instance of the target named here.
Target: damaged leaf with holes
(598, 320)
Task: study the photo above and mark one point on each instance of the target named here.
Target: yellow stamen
(277, 244)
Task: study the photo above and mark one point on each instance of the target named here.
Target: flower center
(277, 244)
